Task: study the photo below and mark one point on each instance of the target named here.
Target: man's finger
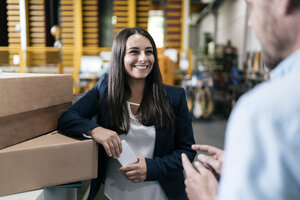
(200, 168)
(206, 148)
(200, 147)
(187, 165)
(209, 160)
(207, 166)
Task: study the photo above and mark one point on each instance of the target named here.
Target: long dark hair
(155, 108)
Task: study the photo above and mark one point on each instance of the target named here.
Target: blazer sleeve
(77, 119)
(170, 164)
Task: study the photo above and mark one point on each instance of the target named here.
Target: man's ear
(284, 7)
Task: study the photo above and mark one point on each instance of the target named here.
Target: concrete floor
(205, 131)
(211, 131)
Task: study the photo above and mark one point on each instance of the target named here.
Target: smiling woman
(139, 59)
(134, 67)
(132, 104)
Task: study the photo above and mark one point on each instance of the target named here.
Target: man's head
(276, 25)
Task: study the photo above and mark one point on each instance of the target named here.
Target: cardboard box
(27, 125)
(50, 193)
(31, 104)
(26, 92)
(48, 160)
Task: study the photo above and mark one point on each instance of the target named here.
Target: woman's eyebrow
(133, 48)
(138, 48)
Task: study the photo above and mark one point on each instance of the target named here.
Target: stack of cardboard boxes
(32, 154)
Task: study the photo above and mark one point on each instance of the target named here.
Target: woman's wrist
(91, 132)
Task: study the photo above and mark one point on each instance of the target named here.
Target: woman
(131, 103)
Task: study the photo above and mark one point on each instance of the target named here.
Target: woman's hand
(135, 172)
(109, 139)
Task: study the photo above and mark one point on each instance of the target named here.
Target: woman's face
(139, 58)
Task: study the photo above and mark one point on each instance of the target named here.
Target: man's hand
(214, 161)
(200, 183)
(109, 139)
(136, 172)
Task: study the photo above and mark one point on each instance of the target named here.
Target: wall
(230, 22)
(252, 43)
(207, 25)
(231, 25)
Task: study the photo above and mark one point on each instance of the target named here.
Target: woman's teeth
(141, 67)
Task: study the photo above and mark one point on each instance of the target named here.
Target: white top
(262, 159)
(141, 139)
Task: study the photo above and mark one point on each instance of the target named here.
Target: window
(156, 24)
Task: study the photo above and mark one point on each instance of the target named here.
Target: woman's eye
(134, 52)
(149, 52)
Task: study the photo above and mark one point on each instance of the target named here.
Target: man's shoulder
(271, 96)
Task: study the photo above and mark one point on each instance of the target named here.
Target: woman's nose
(142, 57)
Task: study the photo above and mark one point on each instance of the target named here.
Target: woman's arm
(77, 119)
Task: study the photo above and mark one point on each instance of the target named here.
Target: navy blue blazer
(166, 166)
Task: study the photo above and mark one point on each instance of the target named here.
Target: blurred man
(262, 145)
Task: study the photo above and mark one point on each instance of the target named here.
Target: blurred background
(204, 46)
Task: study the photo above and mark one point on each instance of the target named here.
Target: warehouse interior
(204, 46)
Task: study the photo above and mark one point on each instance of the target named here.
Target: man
(262, 143)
